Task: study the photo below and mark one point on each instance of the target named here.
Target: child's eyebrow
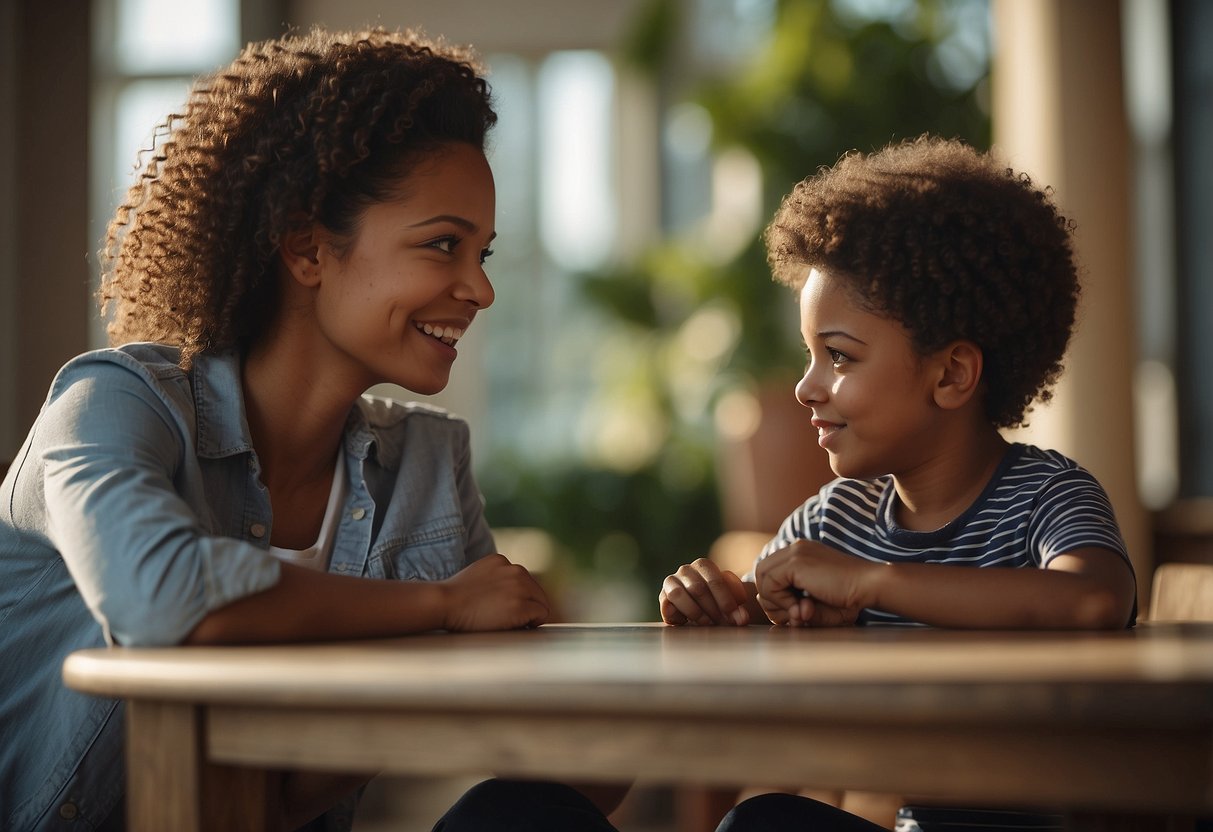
(838, 333)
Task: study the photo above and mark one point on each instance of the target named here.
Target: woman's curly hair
(950, 244)
(306, 128)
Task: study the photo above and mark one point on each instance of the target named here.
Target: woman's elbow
(156, 627)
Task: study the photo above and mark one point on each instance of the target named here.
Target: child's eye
(485, 255)
(835, 356)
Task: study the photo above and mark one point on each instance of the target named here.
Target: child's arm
(703, 593)
(1088, 588)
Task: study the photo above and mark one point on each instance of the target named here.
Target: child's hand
(493, 594)
(703, 593)
(811, 584)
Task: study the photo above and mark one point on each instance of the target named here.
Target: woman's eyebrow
(454, 219)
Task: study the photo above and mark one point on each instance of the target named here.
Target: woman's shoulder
(391, 425)
(382, 412)
(154, 361)
(426, 436)
(138, 366)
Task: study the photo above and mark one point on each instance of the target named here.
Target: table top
(1154, 674)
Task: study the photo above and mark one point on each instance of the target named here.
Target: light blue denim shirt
(135, 507)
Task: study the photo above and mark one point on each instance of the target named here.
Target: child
(937, 294)
(317, 222)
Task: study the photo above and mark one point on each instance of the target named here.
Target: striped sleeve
(1073, 512)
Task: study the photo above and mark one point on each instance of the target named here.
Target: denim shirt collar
(223, 424)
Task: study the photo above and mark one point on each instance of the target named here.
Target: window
(147, 55)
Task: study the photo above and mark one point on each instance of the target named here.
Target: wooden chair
(1182, 592)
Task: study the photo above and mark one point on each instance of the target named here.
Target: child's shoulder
(1030, 472)
(1033, 463)
(857, 497)
(1033, 456)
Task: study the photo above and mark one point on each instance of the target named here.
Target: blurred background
(630, 393)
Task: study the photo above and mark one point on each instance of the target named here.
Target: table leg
(170, 784)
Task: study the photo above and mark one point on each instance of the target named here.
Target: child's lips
(825, 430)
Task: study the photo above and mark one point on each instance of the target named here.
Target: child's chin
(852, 471)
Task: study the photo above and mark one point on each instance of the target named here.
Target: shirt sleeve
(112, 454)
(1073, 512)
(802, 524)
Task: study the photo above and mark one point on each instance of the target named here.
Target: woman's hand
(703, 593)
(493, 594)
(810, 584)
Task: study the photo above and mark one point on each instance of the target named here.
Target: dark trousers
(523, 806)
(526, 806)
(792, 813)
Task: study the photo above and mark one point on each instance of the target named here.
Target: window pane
(158, 36)
(140, 107)
(577, 210)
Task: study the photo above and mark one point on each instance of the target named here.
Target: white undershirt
(318, 554)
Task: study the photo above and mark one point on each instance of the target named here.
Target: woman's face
(396, 298)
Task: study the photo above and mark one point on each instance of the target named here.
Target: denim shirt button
(68, 811)
(358, 513)
(257, 530)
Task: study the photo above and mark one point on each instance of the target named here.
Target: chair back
(1182, 592)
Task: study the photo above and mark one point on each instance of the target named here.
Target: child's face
(412, 279)
(869, 390)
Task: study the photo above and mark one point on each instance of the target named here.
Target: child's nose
(808, 392)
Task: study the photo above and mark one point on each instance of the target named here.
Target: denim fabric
(134, 508)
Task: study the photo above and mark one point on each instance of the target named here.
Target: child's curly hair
(306, 128)
(949, 243)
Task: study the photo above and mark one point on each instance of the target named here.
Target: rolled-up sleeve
(113, 454)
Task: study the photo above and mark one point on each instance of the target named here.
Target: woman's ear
(960, 364)
(299, 252)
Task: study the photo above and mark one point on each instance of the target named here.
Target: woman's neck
(296, 415)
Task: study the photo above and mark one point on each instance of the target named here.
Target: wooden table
(1090, 721)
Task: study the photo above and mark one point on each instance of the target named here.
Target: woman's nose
(476, 288)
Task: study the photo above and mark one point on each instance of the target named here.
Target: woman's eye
(446, 244)
(485, 255)
(835, 356)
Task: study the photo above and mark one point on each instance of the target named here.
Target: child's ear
(299, 252)
(960, 364)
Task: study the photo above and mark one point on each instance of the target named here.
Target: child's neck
(946, 485)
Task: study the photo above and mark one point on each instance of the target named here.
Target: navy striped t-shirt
(1039, 504)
